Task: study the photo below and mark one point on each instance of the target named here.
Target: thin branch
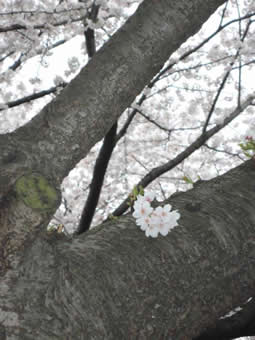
(186, 129)
(196, 66)
(220, 89)
(6, 56)
(162, 191)
(22, 56)
(158, 171)
(240, 61)
(125, 126)
(89, 32)
(154, 122)
(16, 63)
(223, 82)
(185, 55)
(169, 131)
(105, 152)
(15, 27)
(139, 162)
(131, 117)
(239, 16)
(31, 97)
(97, 180)
(224, 151)
(223, 13)
(245, 64)
(205, 41)
(178, 88)
(239, 82)
(55, 12)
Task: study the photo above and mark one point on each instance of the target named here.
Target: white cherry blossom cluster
(154, 221)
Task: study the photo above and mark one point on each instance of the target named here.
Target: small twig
(125, 126)
(223, 13)
(224, 81)
(158, 171)
(16, 27)
(33, 96)
(6, 56)
(55, 12)
(153, 121)
(224, 151)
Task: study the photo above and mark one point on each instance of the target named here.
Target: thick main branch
(66, 129)
(114, 283)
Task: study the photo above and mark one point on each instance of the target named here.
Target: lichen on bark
(37, 192)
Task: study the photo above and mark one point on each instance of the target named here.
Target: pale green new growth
(134, 193)
(248, 147)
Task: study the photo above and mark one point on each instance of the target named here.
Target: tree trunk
(65, 130)
(114, 283)
(36, 157)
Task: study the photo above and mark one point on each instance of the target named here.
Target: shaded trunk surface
(114, 283)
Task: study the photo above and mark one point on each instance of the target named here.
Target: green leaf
(188, 180)
(248, 148)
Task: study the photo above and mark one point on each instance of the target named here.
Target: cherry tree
(174, 102)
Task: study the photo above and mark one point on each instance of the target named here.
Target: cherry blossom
(160, 220)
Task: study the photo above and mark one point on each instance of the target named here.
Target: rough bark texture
(42, 152)
(114, 283)
(66, 129)
(239, 324)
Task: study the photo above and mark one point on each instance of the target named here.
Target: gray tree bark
(36, 157)
(86, 109)
(114, 283)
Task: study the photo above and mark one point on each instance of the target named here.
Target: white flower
(154, 221)
(148, 196)
(152, 231)
(174, 216)
(163, 229)
(163, 212)
(142, 209)
(143, 222)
